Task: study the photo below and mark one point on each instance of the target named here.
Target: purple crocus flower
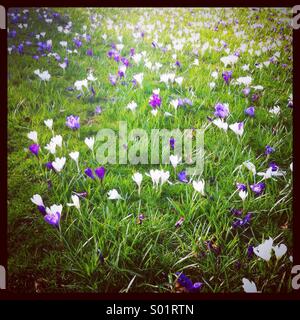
(93, 90)
(227, 76)
(66, 61)
(250, 111)
(187, 283)
(179, 222)
(178, 64)
(35, 57)
(77, 42)
(155, 101)
(117, 57)
(111, 53)
(21, 48)
(250, 252)
(241, 186)
(254, 97)
(12, 34)
(48, 165)
(246, 91)
(274, 166)
(125, 61)
(258, 188)
(132, 52)
(269, 150)
(113, 79)
(242, 222)
(53, 219)
(236, 212)
(141, 218)
(98, 110)
(42, 210)
(89, 173)
(100, 172)
(73, 122)
(221, 110)
(89, 52)
(172, 143)
(34, 148)
(187, 101)
(182, 176)
(121, 73)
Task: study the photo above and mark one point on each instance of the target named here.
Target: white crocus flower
(113, 195)
(49, 123)
(155, 176)
(57, 140)
(244, 80)
(179, 80)
(264, 250)
(154, 112)
(229, 60)
(81, 83)
(90, 142)
(275, 110)
(245, 67)
(249, 286)
(45, 76)
(237, 128)
(91, 77)
(37, 200)
(74, 156)
(63, 43)
(137, 178)
(214, 74)
(174, 103)
(137, 58)
(75, 202)
(250, 166)
(63, 65)
(59, 163)
(199, 186)
(280, 250)
(164, 176)
(32, 135)
(54, 209)
(51, 147)
(243, 194)
(174, 159)
(212, 85)
(132, 106)
(220, 124)
(139, 78)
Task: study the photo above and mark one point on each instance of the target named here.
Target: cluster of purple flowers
(100, 172)
(184, 102)
(73, 122)
(242, 222)
(221, 110)
(257, 188)
(187, 283)
(155, 101)
(227, 75)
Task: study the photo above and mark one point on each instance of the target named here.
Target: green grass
(149, 253)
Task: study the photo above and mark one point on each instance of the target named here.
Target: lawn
(227, 72)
